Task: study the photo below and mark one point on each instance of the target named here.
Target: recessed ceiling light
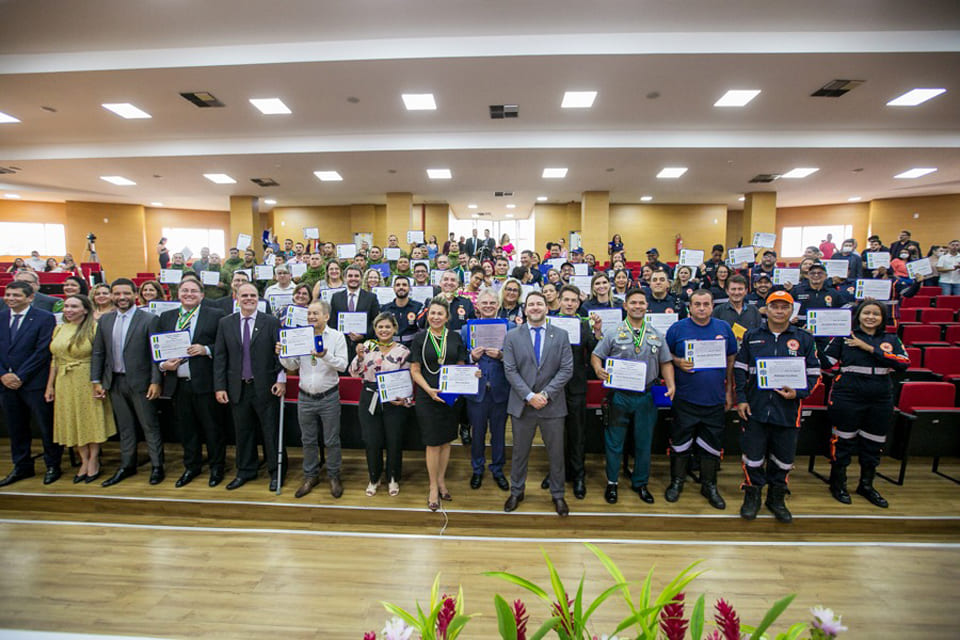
(156, 204)
(7, 118)
(914, 97)
(741, 199)
(672, 172)
(328, 176)
(854, 199)
(120, 181)
(555, 172)
(439, 174)
(541, 198)
(476, 215)
(915, 173)
(737, 97)
(270, 106)
(126, 110)
(509, 215)
(578, 99)
(646, 198)
(419, 101)
(800, 172)
(270, 201)
(11, 196)
(472, 205)
(511, 206)
(219, 178)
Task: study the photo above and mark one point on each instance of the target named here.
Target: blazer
(28, 354)
(366, 302)
(524, 376)
(228, 354)
(205, 333)
(493, 381)
(141, 372)
(40, 301)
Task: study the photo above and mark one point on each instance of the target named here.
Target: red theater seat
(923, 335)
(927, 423)
(915, 301)
(350, 389)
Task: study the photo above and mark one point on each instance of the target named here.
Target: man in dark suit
(538, 363)
(246, 375)
(40, 300)
(472, 245)
(487, 246)
(354, 299)
(189, 382)
(122, 364)
(25, 334)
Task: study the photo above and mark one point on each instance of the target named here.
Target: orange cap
(783, 296)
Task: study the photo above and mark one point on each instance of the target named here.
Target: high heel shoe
(394, 488)
(445, 495)
(433, 506)
(92, 478)
(77, 479)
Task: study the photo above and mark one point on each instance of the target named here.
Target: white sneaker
(372, 488)
(394, 487)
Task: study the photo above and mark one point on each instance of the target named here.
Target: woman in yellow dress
(79, 419)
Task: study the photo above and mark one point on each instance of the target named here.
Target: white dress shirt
(321, 374)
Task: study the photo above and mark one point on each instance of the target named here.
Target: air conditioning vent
(503, 194)
(7, 170)
(501, 111)
(765, 177)
(202, 99)
(265, 182)
(836, 88)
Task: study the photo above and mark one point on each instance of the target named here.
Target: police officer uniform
(406, 319)
(860, 407)
(632, 407)
(771, 431)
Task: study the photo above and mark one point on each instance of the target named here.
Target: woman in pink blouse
(382, 423)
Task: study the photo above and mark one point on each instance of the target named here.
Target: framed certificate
(352, 322)
(829, 322)
(170, 276)
(392, 254)
(765, 240)
(691, 257)
(629, 375)
(169, 344)
(263, 272)
(877, 289)
(488, 333)
(459, 379)
(707, 354)
(296, 342)
(777, 373)
(739, 255)
(346, 251)
(570, 325)
(394, 385)
(210, 278)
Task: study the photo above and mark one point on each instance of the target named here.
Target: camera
(91, 237)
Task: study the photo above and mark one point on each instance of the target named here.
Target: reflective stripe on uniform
(751, 463)
(867, 371)
(846, 435)
(873, 436)
(703, 445)
(680, 448)
(741, 365)
(786, 466)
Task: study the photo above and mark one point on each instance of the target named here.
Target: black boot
(838, 483)
(775, 502)
(865, 488)
(751, 502)
(679, 462)
(709, 466)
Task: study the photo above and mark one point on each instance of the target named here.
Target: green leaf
(506, 622)
(600, 599)
(793, 632)
(578, 610)
(778, 607)
(696, 619)
(520, 582)
(614, 572)
(402, 614)
(558, 590)
(635, 618)
(545, 628)
(456, 625)
(435, 591)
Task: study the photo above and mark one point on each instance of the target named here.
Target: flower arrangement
(651, 617)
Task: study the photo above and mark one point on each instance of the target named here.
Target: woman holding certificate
(433, 348)
(79, 419)
(382, 421)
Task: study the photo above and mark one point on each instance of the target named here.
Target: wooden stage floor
(199, 561)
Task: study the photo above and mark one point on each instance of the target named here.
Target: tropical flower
(728, 620)
(824, 620)
(672, 624)
(396, 629)
(520, 617)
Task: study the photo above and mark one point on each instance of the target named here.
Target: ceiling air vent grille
(503, 194)
(765, 177)
(265, 182)
(7, 170)
(202, 99)
(836, 88)
(501, 111)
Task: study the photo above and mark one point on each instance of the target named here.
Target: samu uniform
(669, 304)
(406, 319)
(810, 298)
(626, 407)
(771, 430)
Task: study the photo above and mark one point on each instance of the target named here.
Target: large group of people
(85, 365)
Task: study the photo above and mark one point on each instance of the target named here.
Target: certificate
(297, 269)
(392, 254)
(739, 255)
(346, 251)
(295, 317)
(170, 276)
(691, 257)
(296, 342)
(579, 269)
(352, 322)
(311, 233)
(263, 272)
(210, 278)
(394, 385)
(707, 354)
(783, 276)
(421, 294)
(415, 237)
(829, 322)
(765, 240)
(610, 318)
(156, 307)
(172, 344)
(556, 263)
(487, 333)
(280, 300)
(243, 241)
(525, 289)
(435, 277)
(186, 253)
(385, 295)
(459, 379)
(326, 294)
(662, 321)
(777, 373)
(582, 283)
(837, 268)
(877, 260)
(921, 267)
(878, 289)
(570, 325)
(629, 375)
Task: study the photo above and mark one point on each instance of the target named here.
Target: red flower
(370, 635)
(520, 617)
(565, 615)
(672, 623)
(447, 611)
(728, 620)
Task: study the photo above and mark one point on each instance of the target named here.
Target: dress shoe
(186, 478)
(579, 488)
(645, 494)
(216, 476)
(502, 482)
(306, 487)
(93, 477)
(121, 473)
(52, 475)
(546, 483)
(465, 437)
(77, 479)
(476, 480)
(157, 475)
(16, 476)
(236, 483)
(336, 487)
(610, 494)
(512, 503)
(561, 506)
(272, 487)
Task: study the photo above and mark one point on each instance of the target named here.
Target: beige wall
(734, 228)
(121, 235)
(643, 226)
(938, 220)
(436, 221)
(856, 214)
(555, 221)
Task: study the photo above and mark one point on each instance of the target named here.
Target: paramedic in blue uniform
(702, 399)
(861, 399)
(404, 309)
(771, 417)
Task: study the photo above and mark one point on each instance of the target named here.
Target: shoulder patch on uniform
(886, 346)
(793, 344)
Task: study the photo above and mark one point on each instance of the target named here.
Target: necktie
(118, 344)
(246, 368)
(536, 343)
(352, 305)
(17, 317)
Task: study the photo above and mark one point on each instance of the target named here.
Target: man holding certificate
(776, 368)
(703, 351)
(189, 383)
(538, 363)
(354, 300)
(631, 406)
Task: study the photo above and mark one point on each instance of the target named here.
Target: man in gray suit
(538, 363)
(122, 363)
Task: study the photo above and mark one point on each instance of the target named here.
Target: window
(20, 238)
(794, 240)
(178, 238)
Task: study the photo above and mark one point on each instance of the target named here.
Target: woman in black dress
(431, 349)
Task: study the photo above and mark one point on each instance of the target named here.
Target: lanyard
(637, 340)
(441, 347)
(183, 321)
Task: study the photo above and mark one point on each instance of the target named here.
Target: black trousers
(18, 405)
(697, 424)
(574, 443)
(383, 428)
(771, 443)
(196, 423)
(250, 415)
(860, 426)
